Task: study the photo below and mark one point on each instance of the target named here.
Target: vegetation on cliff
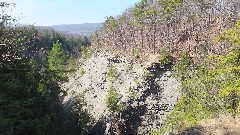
(200, 38)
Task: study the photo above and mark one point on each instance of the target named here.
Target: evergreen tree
(57, 60)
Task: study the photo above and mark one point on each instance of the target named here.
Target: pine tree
(57, 60)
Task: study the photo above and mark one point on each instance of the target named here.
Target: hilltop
(85, 29)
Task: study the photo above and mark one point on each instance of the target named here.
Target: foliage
(138, 52)
(210, 89)
(29, 97)
(86, 52)
(112, 73)
(57, 60)
(155, 132)
(182, 66)
(73, 65)
(168, 6)
(139, 12)
(28, 89)
(165, 57)
(81, 115)
(111, 23)
(30, 94)
(136, 81)
(199, 101)
(231, 35)
(70, 43)
(82, 71)
(132, 93)
(113, 101)
(147, 73)
(225, 68)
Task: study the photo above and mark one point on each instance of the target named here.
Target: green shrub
(182, 66)
(113, 101)
(112, 73)
(136, 81)
(165, 57)
(86, 52)
(90, 53)
(147, 74)
(72, 65)
(156, 133)
(132, 93)
(79, 116)
(82, 71)
(138, 52)
(211, 89)
(189, 112)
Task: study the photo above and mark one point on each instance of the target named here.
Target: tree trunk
(154, 40)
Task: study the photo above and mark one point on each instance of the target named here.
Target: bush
(86, 52)
(132, 93)
(182, 66)
(138, 52)
(72, 65)
(113, 101)
(112, 73)
(82, 71)
(147, 73)
(211, 89)
(78, 118)
(165, 57)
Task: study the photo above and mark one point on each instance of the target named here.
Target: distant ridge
(85, 29)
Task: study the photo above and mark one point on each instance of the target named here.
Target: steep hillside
(174, 26)
(148, 95)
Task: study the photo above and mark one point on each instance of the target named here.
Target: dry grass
(224, 125)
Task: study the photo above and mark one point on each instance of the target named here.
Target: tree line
(171, 25)
(33, 64)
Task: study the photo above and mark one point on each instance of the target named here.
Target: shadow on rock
(99, 128)
(132, 116)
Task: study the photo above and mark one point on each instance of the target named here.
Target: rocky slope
(155, 93)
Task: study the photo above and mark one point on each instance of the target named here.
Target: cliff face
(147, 90)
(147, 98)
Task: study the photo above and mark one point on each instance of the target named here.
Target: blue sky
(55, 12)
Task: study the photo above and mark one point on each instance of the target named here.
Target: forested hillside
(33, 64)
(80, 29)
(172, 25)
